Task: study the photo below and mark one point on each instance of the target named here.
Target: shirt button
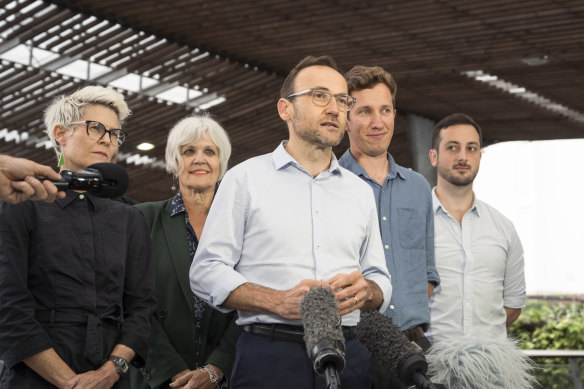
(391, 307)
(386, 246)
(384, 218)
(81, 196)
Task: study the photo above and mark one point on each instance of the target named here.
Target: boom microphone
(323, 335)
(389, 346)
(100, 179)
(480, 362)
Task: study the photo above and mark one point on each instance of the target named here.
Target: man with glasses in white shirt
(478, 252)
(288, 221)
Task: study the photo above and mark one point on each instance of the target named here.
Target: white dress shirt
(273, 224)
(481, 270)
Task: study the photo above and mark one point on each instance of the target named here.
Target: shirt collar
(436, 204)
(71, 195)
(177, 205)
(394, 169)
(282, 159)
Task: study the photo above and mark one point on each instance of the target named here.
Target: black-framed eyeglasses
(322, 97)
(96, 130)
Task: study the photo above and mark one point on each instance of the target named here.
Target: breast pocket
(412, 228)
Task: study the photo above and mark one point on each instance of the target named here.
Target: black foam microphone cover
(389, 346)
(323, 335)
(115, 179)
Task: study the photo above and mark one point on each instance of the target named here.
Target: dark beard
(457, 181)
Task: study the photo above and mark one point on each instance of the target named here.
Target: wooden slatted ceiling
(242, 50)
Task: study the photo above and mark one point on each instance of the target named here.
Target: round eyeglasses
(322, 98)
(96, 130)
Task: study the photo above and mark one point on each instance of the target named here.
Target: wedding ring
(356, 299)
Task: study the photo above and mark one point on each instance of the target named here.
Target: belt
(93, 348)
(414, 334)
(287, 333)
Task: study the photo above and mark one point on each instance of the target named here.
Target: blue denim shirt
(404, 207)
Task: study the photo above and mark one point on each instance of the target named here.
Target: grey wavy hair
(69, 108)
(191, 129)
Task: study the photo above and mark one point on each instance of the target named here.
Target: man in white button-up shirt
(284, 222)
(478, 252)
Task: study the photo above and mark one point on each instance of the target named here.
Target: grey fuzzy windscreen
(320, 317)
(384, 340)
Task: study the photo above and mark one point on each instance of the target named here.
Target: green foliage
(552, 325)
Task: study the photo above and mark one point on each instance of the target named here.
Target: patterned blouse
(177, 206)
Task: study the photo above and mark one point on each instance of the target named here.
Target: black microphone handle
(422, 382)
(61, 185)
(331, 376)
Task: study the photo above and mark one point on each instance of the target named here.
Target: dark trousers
(262, 363)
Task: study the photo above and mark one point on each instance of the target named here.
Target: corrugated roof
(236, 53)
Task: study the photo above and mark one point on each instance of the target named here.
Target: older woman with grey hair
(194, 345)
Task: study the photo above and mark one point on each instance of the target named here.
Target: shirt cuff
(230, 280)
(514, 302)
(384, 284)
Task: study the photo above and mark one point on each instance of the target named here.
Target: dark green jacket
(173, 347)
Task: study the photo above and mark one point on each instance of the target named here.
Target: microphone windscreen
(473, 362)
(384, 340)
(115, 179)
(321, 321)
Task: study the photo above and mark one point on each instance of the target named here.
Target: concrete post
(420, 137)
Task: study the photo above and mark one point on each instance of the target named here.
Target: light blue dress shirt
(273, 224)
(482, 270)
(406, 221)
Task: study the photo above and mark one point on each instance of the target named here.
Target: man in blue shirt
(403, 198)
(287, 221)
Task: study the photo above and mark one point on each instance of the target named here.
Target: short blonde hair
(68, 109)
(191, 129)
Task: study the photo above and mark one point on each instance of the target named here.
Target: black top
(76, 275)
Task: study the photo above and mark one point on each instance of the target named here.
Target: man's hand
(103, 378)
(256, 298)
(352, 292)
(289, 304)
(18, 182)
(195, 379)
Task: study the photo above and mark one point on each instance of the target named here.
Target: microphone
(389, 346)
(323, 335)
(100, 179)
(480, 361)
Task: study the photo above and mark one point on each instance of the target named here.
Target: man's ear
(433, 154)
(285, 109)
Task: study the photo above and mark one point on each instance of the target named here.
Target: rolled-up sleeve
(212, 275)
(514, 294)
(372, 258)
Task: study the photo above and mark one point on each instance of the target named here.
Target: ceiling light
(145, 146)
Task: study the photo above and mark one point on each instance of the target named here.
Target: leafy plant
(552, 325)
